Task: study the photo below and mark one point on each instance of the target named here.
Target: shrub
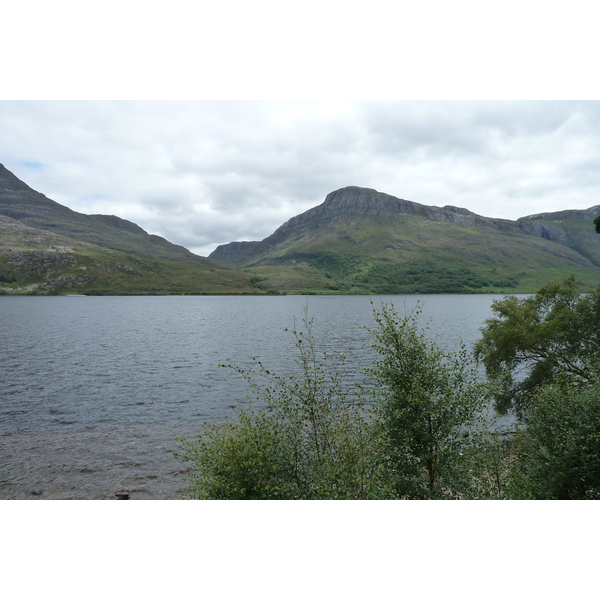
(422, 433)
(430, 412)
(558, 454)
(311, 440)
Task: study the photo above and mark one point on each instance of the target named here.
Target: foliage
(429, 278)
(430, 409)
(425, 436)
(534, 340)
(491, 462)
(6, 276)
(558, 455)
(381, 276)
(597, 224)
(311, 439)
(334, 264)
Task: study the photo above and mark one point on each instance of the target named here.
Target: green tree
(431, 410)
(597, 224)
(312, 439)
(533, 340)
(419, 432)
(558, 454)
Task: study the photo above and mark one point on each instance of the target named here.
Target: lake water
(95, 391)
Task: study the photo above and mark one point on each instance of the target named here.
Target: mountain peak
(370, 202)
(359, 199)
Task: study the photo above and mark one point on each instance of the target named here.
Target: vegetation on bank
(550, 337)
(48, 264)
(347, 273)
(94, 270)
(417, 427)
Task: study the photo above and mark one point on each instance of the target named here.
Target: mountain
(23, 204)
(363, 241)
(357, 241)
(48, 248)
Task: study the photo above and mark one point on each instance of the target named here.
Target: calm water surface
(95, 391)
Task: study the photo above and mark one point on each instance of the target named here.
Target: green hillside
(46, 248)
(361, 241)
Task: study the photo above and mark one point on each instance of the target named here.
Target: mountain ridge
(358, 240)
(395, 230)
(29, 207)
(351, 201)
(48, 248)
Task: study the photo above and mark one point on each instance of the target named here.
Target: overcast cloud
(203, 173)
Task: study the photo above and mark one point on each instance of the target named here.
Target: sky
(207, 172)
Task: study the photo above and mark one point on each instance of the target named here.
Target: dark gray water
(95, 391)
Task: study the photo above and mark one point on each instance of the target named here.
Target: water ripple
(94, 390)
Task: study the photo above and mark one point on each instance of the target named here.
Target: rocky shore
(91, 465)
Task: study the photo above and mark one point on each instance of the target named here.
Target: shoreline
(91, 465)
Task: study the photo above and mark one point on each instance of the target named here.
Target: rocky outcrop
(547, 232)
(572, 228)
(371, 203)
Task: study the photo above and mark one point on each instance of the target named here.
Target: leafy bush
(558, 455)
(430, 410)
(421, 431)
(311, 440)
(534, 340)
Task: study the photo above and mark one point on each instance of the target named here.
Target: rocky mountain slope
(48, 248)
(362, 240)
(23, 204)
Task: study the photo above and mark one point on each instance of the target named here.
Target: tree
(312, 439)
(533, 340)
(422, 436)
(597, 224)
(558, 454)
(431, 409)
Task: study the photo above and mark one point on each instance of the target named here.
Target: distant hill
(357, 241)
(48, 248)
(363, 241)
(23, 204)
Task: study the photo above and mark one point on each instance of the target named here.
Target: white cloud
(202, 173)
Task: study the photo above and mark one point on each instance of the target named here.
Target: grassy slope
(38, 261)
(412, 254)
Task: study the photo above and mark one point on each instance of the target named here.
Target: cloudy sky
(221, 124)
(203, 173)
